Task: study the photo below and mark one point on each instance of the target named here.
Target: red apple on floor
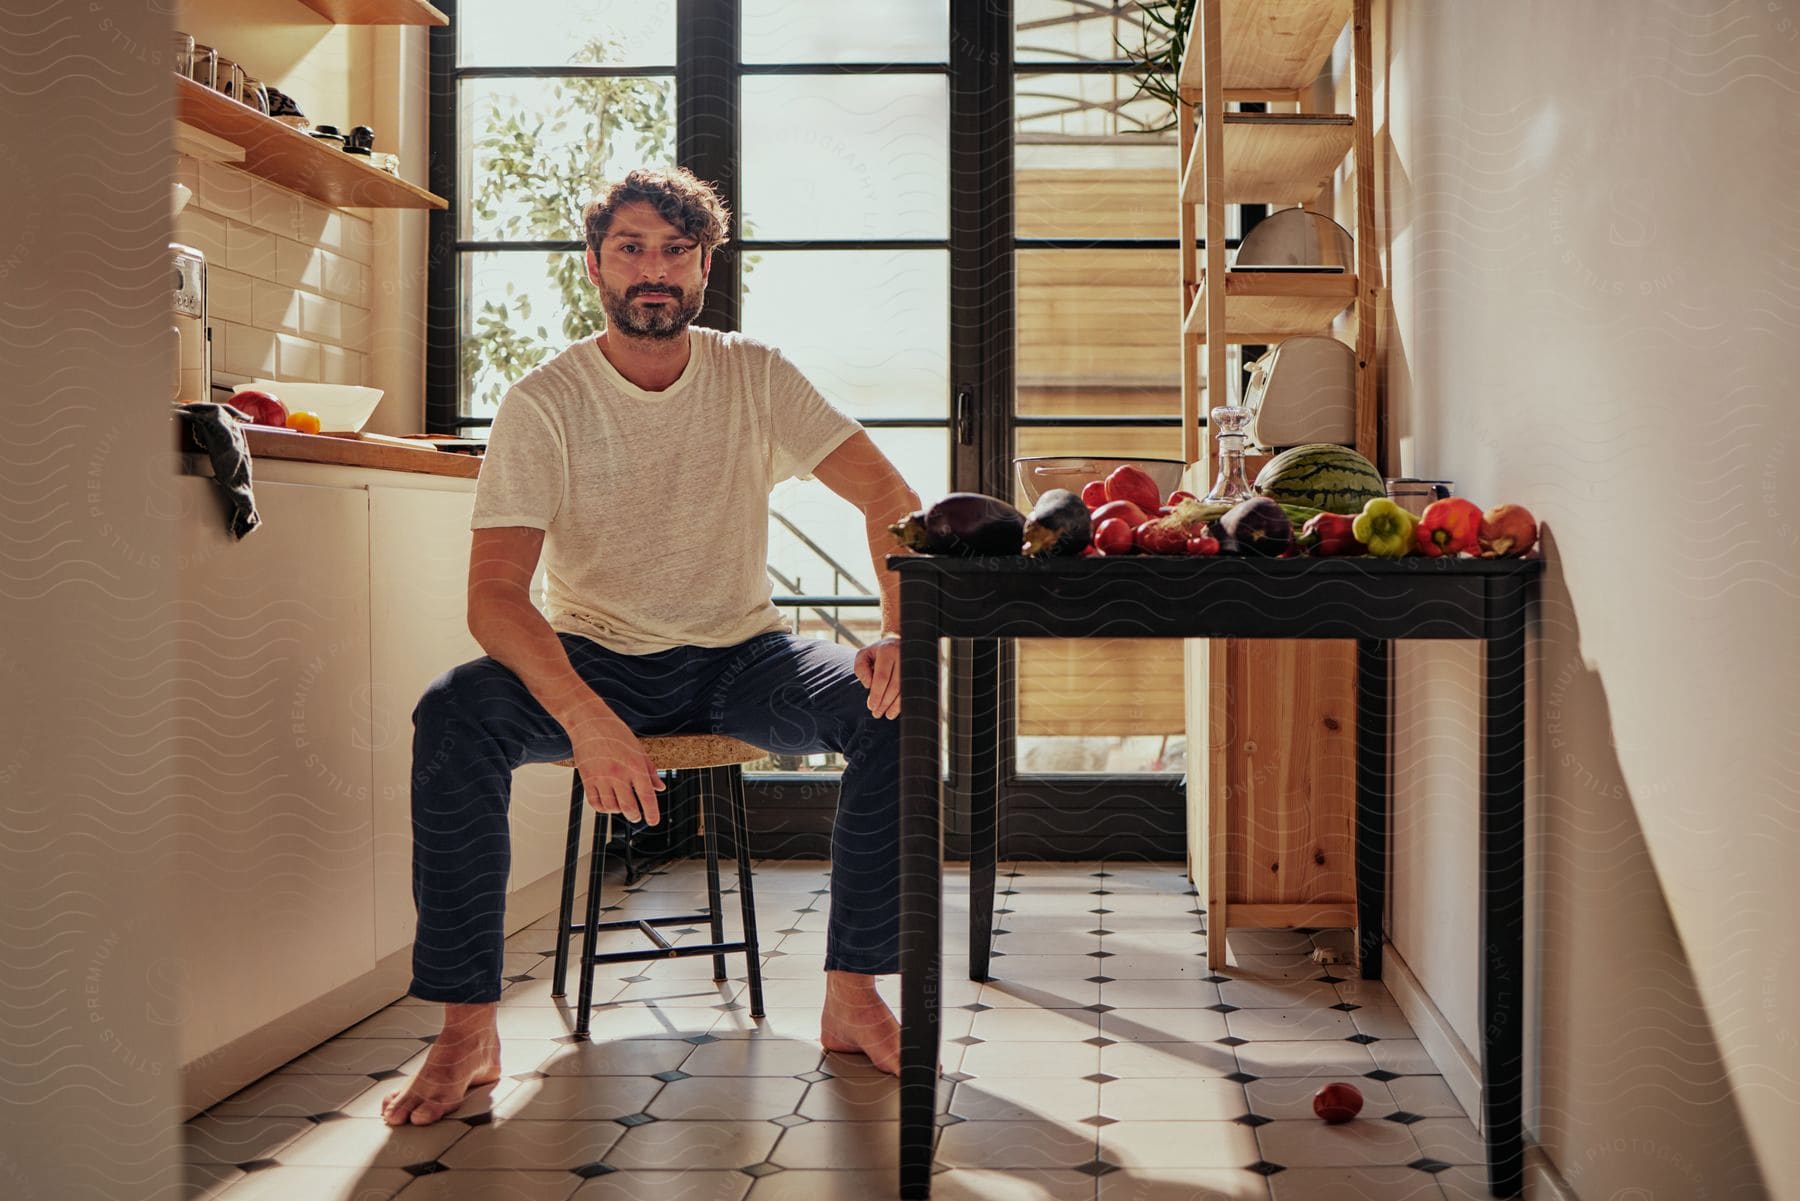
(1338, 1102)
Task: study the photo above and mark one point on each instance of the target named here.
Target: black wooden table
(1373, 601)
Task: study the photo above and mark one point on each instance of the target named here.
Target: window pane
(866, 326)
(1084, 167)
(518, 309)
(551, 33)
(535, 150)
(1099, 331)
(839, 559)
(846, 157)
(1080, 30)
(846, 31)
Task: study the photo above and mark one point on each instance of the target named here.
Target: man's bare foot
(465, 1056)
(857, 1021)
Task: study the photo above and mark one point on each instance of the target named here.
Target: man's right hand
(616, 774)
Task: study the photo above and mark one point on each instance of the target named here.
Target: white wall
(1593, 212)
(89, 987)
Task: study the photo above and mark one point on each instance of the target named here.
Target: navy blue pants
(477, 722)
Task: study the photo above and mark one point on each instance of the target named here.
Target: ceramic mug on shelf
(1414, 495)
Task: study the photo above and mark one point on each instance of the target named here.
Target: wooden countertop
(267, 442)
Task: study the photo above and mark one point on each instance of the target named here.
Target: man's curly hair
(679, 197)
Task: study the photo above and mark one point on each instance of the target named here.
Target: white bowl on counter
(342, 408)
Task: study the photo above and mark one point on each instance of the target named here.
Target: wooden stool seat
(684, 752)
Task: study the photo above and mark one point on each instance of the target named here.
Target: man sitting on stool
(639, 464)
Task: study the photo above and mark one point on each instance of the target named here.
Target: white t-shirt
(655, 505)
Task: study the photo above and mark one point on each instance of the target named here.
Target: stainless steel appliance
(193, 332)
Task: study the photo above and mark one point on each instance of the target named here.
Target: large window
(967, 246)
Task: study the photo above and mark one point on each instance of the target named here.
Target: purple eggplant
(963, 523)
(1255, 527)
(1059, 525)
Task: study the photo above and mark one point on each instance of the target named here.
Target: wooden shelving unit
(1263, 307)
(1271, 816)
(1273, 158)
(377, 12)
(286, 156)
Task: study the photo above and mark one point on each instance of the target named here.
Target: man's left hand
(878, 667)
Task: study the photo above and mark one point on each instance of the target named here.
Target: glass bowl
(1040, 473)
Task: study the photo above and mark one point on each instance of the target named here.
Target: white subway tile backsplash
(203, 231)
(357, 241)
(226, 191)
(321, 318)
(276, 210)
(340, 366)
(297, 266)
(353, 322)
(341, 278)
(250, 250)
(229, 294)
(297, 359)
(277, 307)
(251, 351)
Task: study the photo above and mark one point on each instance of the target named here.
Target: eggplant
(1257, 526)
(1059, 525)
(963, 523)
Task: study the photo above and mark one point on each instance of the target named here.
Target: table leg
(984, 801)
(921, 866)
(1374, 779)
(1503, 910)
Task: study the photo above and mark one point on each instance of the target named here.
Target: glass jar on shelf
(1230, 425)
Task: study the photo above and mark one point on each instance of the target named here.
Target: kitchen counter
(267, 442)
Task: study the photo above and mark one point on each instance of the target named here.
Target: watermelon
(1324, 476)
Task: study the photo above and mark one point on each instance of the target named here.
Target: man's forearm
(881, 545)
(512, 630)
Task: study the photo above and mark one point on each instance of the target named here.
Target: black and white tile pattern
(1107, 1061)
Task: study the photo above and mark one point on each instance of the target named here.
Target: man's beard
(624, 316)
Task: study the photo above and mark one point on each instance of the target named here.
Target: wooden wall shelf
(284, 155)
(1270, 46)
(1266, 306)
(377, 12)
(1273, 158)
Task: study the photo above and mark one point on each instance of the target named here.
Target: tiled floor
(1107, 1062)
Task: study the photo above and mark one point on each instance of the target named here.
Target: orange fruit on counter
(303, 420)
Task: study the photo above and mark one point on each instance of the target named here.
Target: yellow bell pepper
(1385, 528)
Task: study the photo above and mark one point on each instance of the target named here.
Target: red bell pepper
(1331, 534)
(1448, 527)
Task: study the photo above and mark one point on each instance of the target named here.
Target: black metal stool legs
(709, 819)
(566, 910)
(719, 807)
(740, 850)
(589, 939)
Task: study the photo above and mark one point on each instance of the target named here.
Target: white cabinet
(272, 757)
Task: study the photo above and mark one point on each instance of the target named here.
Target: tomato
(1093, 493)
(1113, 537)
(1135, 485)
(303, 421)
